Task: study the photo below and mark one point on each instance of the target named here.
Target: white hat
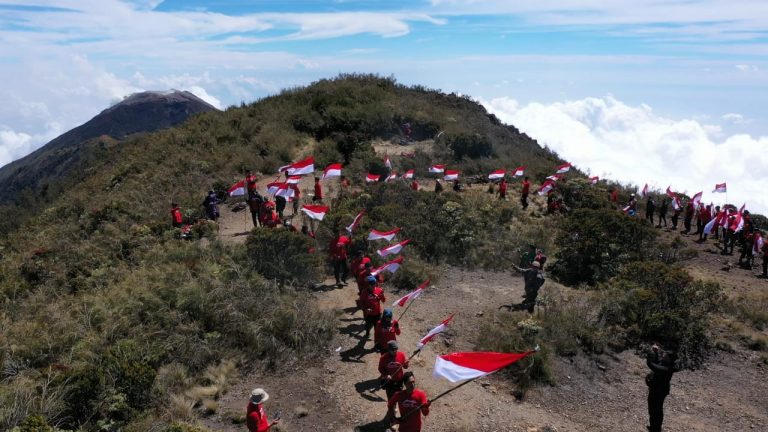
(536, 264)
(259, 396)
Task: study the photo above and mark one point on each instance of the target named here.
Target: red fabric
(407, 403)
(415, 185)
(251, 182)
(338, 247)
(176, 215)
(272, 220)
(382, 335)
(614, 196)
(526, 187)
(362, 284)
(389, 365)
(296, 191)
(256, 418)
(318, 191)
(358, 265)
(503, 188)
(371, 301)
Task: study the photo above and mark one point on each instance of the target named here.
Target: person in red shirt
(176, 218)
(318, 191)
(272, 220)
(362, 282)
(358, 264)
(391, 365)
(503, 189)
(296, 198)
(414, 184)
(338, 249)
(385, 330)
(370, 301)
(524, 193)
(250, 182)
(256, 418)
(412, 403)
(614, 197)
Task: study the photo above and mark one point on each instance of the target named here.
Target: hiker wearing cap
(662, 366)
(391, 365)
(534, 279)
(338, 250)
(362, 278)
(408, 402)
(176, 217)
(256, 418)
(370, 301)
(386, 330)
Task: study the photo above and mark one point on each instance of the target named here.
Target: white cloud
(735, 118)
(747, 68)
(633, 144)
(14, 145)
(202, 94)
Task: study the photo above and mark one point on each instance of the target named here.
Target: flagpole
(406, 310)
(375, 389)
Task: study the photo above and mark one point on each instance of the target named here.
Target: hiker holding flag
(526, 189)
(534, 279)
(503, 189)
(338, 249)
(370, 301)
(176, 218)
(411, 403)
(318, 191)
(391, 365)
(385, 330)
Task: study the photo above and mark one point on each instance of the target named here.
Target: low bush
(283, 255)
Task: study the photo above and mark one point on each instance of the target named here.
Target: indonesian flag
(564, 168)
(555, 177)
(696, 200)
(594, 180)
(451, 175)
(332, 170)
(285, 190)
(644, 192)
(434, 332)
(519, 171)
(675, 199)
(387, 162)
(437, 169)
(718, 220)
(498, 174)
(670, 193)
(293, 179)
(738, 224)
(391, 266)
(391, 177)
(355, 222)
(237, 189)
(316, 212)
(408, 174)
(383, 235)
(462, 366)
(392, 250)
(413, 295)
(758, 244)
(720, 188)
(546, 187)
(273, 187)
(303, 167)
(370, 178)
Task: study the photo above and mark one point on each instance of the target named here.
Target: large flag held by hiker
(498, 174)
(437, 169)
(434, 332)
(355, 222)
(383, 235)
(316, 212)
(564, 168)
(411, 295)
(237, 189)
(519, 171)
(720, 188)
(332, 170)
(462, 366)
(392, 250)
(390, 267)
(302, 167)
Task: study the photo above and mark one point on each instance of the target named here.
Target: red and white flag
(594, 180)
(564, 168)
(391, 266)
(302, 167)
(370, 178)
(237, 189)
(437, 169)
(720, 188)
(451, 175)
(408, 174)
(293, 179)
(387, 162)
(285, 190)
(675, 199)
(738, 223)
(392, 176)
(462, 366)
(718, 220)
(434, 332)
(332, 170)
(273, 187)
(383, 235)
(519, 171)
(555, 177)
(546, 187)
(644, 192)
(498, 174)
(392, 250)
(355, 222)
(316, 212)
(411, 295)
(696, 200)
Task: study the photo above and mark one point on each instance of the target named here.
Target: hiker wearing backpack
(211, 204)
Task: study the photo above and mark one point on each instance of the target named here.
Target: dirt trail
(604, 393)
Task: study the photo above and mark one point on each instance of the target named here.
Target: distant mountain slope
(138, 113)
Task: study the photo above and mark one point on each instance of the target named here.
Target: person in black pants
(662, 366)
(663, 212)
(650, 209)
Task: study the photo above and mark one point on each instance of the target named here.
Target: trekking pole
(375, 389)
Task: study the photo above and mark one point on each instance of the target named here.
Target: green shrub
(283, 255)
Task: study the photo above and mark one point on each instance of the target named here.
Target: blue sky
(682, 78)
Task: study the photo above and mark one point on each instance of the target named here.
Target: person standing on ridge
(534, 279)
(408, 402)
(176, 218)
(318, 191)
(662, 366)
(256, 417)
(688, 217)
(250, 183)
(339, 252)
(255, 202)
(650, 209)
(211, 204)
(414, 184)
(370, 301)
(438, 186)
(526, 189)
(296, 198)
(663, 212)
(503, 189)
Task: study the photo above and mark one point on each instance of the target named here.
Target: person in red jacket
(370, 301)
(256, 418)
(318, 191)
(250, 183)
(503, 189)
(296, 198)
(386, 330)
(176, 218)
(358, 264)
(526, 189)
(338, 250)
(409, 402)
(391, 365)
(414, 184)
(272, 220)
(362, 278)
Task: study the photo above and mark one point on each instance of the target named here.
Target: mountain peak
(159, 96)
